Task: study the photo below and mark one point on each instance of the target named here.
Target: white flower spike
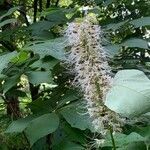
(92, 73)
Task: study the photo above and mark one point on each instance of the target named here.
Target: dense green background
(37, 101)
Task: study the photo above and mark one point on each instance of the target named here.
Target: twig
(112, 138)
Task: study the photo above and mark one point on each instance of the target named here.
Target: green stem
(147, 147)
(112, 138)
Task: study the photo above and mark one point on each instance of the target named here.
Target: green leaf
(35, 127)
(77, 117)
(130, 93)
(10, 11)
(56, 15)
(135, 42)
(113, 49)
(21, 57)
(40, 106)
(145, 21)
(74, 134)
(54, 48)
(70, 96)
(19, 125)
(134, 146)
(41, 25)
(144, 131)
(122, 139)
(40, 30)
(41, 127)
(46, 63)
(8, 21)
(38, 77)
(5, 59)
(10, 82)
(108, 2)
(65, 145)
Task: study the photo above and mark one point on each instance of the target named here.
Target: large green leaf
(145, 21)
(41, 126)
(8, 21)
(35, 127)
(122, 139)
(144, 131)
(129, 94)
(135, 42)
(77, 117)
(19, 125)
(113, 49)
(38, 77)
(5, 59)
(10, 11)
(134, 146)
(65, 145)
(10, 82)
(48, 63)
(54, 48)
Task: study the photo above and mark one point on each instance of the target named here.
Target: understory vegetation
(74, 75)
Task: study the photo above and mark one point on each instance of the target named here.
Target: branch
(10, 47)
(40, 6)
(25, 16)
(57, 2)
(48, 3)
(35, 9)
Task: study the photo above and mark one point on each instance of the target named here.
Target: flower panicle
(92, 72)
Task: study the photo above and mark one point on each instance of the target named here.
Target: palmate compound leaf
(130, 93)
(35, 127)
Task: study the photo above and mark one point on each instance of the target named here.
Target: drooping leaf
(41, 127)
(134, 146)
(10, 82)
(8, 21)
(40, 106)
(19, 125)
(35, 127)
(65, 145)
(21, 57)
(122, 139)
(5, 59)
(130, 93)
(144, 131)
(10, 11)
(77, 117)
(69, 96)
